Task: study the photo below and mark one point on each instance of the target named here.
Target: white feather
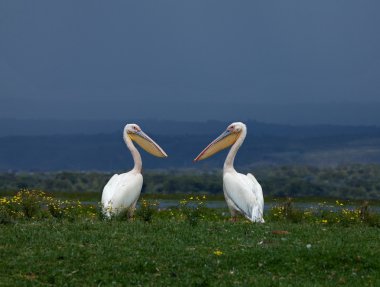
(244, 194)
(121, 192)
(258, 211)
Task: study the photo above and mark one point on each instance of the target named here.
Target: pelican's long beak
(149, 145)
(225, 140)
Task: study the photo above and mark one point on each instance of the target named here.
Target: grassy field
(46, 241)
(168, 252)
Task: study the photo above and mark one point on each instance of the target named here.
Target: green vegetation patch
(174, 253)
(46, 241)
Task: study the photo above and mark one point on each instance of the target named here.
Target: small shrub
(193, 209)
(287, 211)
(72, 210)
(27, 204)
(5, 217)
(147, 210)
(100, 212)
(64, 209)
(55, 209)
(32, 204)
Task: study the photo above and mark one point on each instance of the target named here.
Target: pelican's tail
(257, 215)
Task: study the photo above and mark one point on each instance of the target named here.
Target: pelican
(242, 192)
(123, 190)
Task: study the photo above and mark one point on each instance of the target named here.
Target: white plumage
(123, 190)
(243, 193)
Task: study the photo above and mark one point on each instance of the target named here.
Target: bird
(123, 190)
(243, 193)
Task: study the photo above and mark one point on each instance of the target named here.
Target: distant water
(267, 206)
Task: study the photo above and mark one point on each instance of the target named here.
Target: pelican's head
(135, 133)
(226, 139)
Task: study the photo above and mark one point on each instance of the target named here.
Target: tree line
(348, 181)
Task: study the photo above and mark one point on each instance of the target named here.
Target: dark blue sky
(275, 61)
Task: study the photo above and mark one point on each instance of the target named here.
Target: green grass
(45, 241)
(170, 252)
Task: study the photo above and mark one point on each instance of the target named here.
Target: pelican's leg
(131, 209)
(233, 211)
(231, 207)
(234, 215)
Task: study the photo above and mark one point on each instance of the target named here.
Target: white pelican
(123, 190)
(243, 193)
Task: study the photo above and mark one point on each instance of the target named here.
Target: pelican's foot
(234, 219)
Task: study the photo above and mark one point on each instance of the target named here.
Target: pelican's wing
(242, 191)
(109, 190)
(258, 192)
(122, 191)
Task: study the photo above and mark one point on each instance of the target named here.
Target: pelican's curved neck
(229, 162)
(135, 153)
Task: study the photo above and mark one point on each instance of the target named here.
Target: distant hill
(12, 127)
(266, 144)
